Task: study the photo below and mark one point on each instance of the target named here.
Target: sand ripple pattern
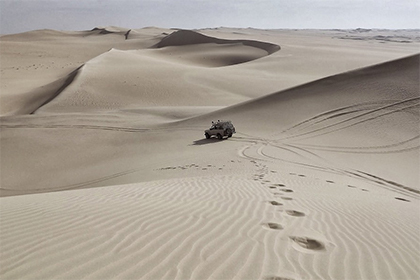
(186, 229)
(218, 227)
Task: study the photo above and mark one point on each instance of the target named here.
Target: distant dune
(106, 173)
(112, 71)
(188, 37)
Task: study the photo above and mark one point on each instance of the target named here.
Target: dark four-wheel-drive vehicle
(220, 129)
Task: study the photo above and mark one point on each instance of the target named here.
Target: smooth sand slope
(105, 174)
(106, 82)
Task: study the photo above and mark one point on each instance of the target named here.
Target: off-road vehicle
(220, 129)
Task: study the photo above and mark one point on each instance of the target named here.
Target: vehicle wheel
(207, 136)
(219, 136)
(228, 132)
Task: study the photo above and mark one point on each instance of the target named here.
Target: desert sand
(106, 174)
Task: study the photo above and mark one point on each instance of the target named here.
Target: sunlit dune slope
(155, 77)
(366, 120)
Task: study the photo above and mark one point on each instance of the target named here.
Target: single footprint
(365, 190)
(402, 199)
(308, 243)
(286, 198)
(295, 213)
(280, 185)
(275, 203)
(350, 186)
(287, 190)
(274, 226)
(301, 175)
(329, 181)
(272, 187)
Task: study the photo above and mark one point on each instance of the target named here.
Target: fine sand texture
(106, 174)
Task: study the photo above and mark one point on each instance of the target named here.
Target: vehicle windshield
(220, 125)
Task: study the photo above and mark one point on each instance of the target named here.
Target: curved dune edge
(189, 37)
(53, 92)
(30, 102)
(191, 47)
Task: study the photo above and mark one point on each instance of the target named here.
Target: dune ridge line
(189, 37)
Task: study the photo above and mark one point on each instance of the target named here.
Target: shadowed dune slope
(188, 46)
(188, 37)
(39, 96)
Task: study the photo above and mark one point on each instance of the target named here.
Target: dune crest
(193, 47)
(189, 37)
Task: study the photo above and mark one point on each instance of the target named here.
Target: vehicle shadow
(206, 141)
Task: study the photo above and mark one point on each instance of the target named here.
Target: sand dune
(188, 37)
(106, 174)
(37, 59)
(305, 57)
(124, 79)
(339, 131)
